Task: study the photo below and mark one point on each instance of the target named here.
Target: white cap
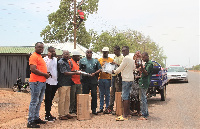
(75, 52)
(105, 49)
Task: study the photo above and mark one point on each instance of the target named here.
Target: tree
(134, 39)
(60, 28)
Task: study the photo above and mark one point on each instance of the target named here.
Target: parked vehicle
(177, 73)
(159, 81)
(20, 86)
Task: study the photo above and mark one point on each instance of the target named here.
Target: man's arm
(37, 72)
(120, 68)
(143, 70)
(99, 69)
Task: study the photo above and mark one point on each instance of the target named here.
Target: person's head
(80, 8)
(105, 51)
(137, 55)
(117, 50)
(39, 47)
(89, 54)
(76, 55)
(66, 54)
(145, 57)
(51, 51)
(125, 50)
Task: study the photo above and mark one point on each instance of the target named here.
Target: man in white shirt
(51, 82)
(126, 68)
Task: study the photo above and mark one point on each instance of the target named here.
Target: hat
(75, 52)
(105, 49)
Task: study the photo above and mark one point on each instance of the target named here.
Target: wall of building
(11, 67)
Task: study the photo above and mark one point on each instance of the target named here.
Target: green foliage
(61, 29)
(197, 67)
(135, 40)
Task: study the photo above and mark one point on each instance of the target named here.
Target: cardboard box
(119, 105)
(83, 109)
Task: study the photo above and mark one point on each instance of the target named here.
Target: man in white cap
(104, 80)
(76, 87)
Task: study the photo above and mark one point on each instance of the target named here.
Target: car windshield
(176, 69)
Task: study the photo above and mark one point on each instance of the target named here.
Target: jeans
(126, 88)
(86, 87)
(143, 101)
(104, 88)
(75, 89)
(37, 95)
(49, 95)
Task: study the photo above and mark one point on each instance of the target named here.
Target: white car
(177, 72)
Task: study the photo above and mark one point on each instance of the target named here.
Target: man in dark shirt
(144, 82)
(93, 67)
(64, 80)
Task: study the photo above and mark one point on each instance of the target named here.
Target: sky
(172, 24)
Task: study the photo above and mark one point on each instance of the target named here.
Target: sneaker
(101, 110)
(107, 111)
(95, 113)
(32, 125)
(39, 121)
(53, 117)
(49, 119)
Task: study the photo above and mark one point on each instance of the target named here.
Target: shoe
(39, 121)
(107, 111)
(113, 112)
(69, 116)
(53, 117)
(49, 119)
(95, 113)
(101, 110)
(32, 125)
(63, 118)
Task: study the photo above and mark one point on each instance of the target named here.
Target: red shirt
(75, 78)
(81, 13)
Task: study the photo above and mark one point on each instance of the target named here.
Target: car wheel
(163, 93)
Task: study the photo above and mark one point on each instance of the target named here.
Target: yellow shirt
(104, 75)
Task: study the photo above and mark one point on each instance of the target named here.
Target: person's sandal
(142, 118)
(121, 118)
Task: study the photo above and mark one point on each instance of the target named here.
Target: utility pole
(74, 24)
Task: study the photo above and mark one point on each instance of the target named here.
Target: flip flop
(142, 118)
(121, 118)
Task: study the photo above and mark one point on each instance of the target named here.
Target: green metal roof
(24, 50)
(17, 49)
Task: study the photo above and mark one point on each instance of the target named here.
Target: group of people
(80, 76)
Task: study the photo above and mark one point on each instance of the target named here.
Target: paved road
(180, 110)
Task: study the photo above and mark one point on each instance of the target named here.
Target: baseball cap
(105, 49)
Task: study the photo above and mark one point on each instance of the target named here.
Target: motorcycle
(20, 86)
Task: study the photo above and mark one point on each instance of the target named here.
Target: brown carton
(83, 112)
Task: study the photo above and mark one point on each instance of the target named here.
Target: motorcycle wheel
(28, 89)
(15, 88)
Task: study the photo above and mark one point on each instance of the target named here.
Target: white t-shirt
(52, 68)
